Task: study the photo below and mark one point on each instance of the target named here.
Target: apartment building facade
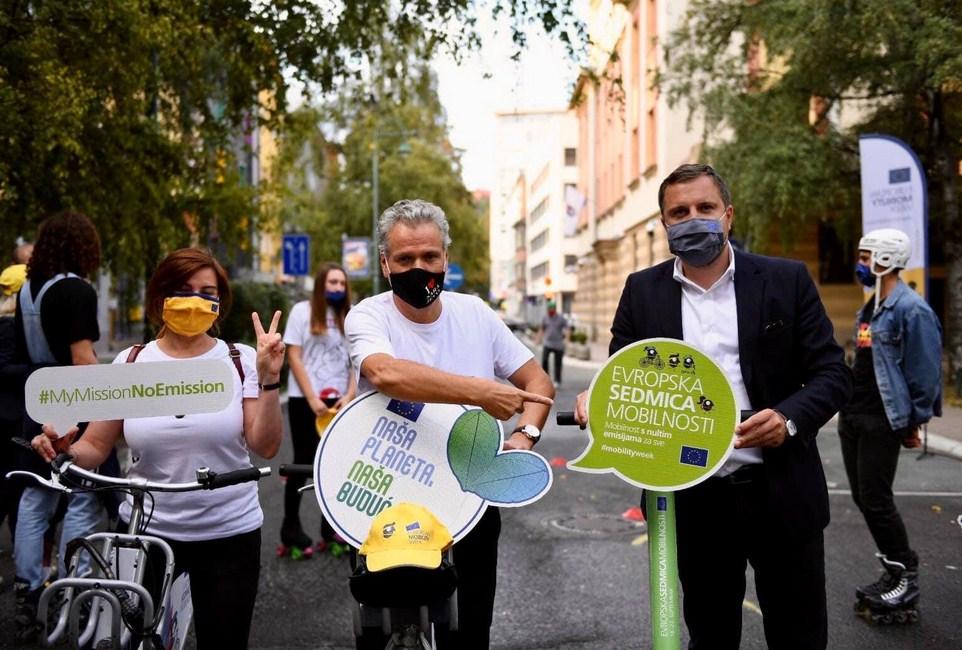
(630, 139)
(533, 251)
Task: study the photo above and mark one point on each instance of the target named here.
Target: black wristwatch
(266, 387)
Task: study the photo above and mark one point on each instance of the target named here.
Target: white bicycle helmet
(890, 248)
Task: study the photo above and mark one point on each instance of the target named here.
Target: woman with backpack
(215, 534)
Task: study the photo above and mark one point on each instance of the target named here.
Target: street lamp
(403, 149)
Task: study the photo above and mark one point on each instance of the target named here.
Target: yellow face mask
(190, 314)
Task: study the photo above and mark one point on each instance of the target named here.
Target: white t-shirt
(325, 356)
(169, 449)
(467, 339)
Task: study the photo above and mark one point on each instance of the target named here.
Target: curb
(943, 446)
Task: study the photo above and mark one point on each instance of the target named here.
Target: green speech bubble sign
(661, 415)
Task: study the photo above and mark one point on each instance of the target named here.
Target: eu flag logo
(903, 175)
(694, 456)
(662, 504)
(409, 410)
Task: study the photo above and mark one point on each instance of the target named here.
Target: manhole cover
(596, 525)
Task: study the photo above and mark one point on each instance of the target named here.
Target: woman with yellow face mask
(215, 534)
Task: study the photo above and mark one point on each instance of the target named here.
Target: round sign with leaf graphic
(661, 416)
(380, 451)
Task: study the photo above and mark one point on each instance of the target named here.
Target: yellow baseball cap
(12, 278)
(405, 534)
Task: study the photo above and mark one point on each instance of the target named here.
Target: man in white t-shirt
(419, 343)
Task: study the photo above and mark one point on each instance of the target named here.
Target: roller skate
(295, 543)
(336, 546)
(330, 541)
(893, 598)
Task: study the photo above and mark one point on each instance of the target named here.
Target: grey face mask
(697, 242)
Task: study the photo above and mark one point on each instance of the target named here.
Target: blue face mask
(697, 242)
(865, 275)
(335, 297)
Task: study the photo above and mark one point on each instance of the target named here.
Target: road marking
(749, 605)
(906, 493)
(641, 539)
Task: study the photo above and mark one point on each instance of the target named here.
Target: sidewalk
(945, 433)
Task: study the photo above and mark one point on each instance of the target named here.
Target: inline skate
(894, 597)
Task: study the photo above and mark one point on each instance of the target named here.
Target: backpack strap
(235, 356)
(135, 352)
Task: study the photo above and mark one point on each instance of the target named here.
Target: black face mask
(417, 287)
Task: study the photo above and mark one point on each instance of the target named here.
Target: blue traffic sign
(454, 278)
(297, 254)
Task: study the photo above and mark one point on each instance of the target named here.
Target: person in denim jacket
(897, 369)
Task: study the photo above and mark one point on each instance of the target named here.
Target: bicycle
(114, 594)
(403, 607)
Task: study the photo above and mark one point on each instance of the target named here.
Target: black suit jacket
(789, 361)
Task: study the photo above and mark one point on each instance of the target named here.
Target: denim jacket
(907, 356)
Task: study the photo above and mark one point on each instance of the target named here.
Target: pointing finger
(537, 399)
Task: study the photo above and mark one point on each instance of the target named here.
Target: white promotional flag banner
(574, 202)
(894, 196)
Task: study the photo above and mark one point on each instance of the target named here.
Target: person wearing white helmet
(897, 370)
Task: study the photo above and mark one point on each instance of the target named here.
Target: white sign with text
(64, 396)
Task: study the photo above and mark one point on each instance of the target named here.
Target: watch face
(531, 431)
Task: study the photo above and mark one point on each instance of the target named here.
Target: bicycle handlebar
(63, 465)
(237, 476)
(305, 471)
(565, 418)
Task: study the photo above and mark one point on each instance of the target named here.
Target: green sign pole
(661, 415)
(663, 571)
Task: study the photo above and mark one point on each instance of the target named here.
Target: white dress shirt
(709, 321)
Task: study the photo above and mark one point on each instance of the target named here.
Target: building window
(836, 258)
(539, 210)
(571, 263)
(571, 156)
(539, 241)
(540, 271)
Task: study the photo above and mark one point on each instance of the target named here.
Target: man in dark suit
(762, 321)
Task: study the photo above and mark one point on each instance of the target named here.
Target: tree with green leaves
(325, 183)
(137, 112)
(785, 88)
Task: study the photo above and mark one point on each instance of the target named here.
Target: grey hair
(411, 212)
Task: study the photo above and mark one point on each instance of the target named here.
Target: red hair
(174, 271)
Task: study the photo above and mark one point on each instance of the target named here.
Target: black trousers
(304, 439)
(223, 585)
(722, 526)
(476, 560)
(558, 357)
(870, 450)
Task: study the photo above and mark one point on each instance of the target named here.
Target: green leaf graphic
(472, 445)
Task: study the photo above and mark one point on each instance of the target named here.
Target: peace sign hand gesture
(270, 349)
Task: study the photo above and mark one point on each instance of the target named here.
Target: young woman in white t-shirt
(319, 370)
(216, 534)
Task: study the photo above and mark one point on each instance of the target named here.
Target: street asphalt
(573, 572)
